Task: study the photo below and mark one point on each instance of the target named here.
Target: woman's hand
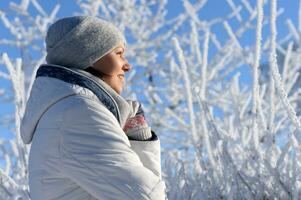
(137, 121)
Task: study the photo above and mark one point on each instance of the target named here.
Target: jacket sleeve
(149, 151)
(96, 154)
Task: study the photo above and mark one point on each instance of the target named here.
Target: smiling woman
(88, 142)
(112, 67)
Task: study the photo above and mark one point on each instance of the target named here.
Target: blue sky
(213, 9)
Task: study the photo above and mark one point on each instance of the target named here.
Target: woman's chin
(118, 90)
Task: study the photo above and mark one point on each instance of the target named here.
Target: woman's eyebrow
(120, 48)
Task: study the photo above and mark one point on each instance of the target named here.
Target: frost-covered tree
(221, 137)
(27, 33)
(247, 137)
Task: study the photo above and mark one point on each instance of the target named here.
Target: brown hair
(95, 72)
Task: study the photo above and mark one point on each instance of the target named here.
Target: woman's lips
(121, 76)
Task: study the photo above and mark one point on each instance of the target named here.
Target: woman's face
(113, 67)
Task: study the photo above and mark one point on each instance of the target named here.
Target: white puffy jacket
(78, 148)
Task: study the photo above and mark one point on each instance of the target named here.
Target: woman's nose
(126, 67)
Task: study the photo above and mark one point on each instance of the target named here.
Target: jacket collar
(47, 91)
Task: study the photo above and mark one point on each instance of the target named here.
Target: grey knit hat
(80, 41)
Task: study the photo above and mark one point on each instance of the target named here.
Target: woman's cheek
(110, 66)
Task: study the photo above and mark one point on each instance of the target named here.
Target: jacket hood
(47, 90)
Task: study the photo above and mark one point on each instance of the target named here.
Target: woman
(88, 142)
